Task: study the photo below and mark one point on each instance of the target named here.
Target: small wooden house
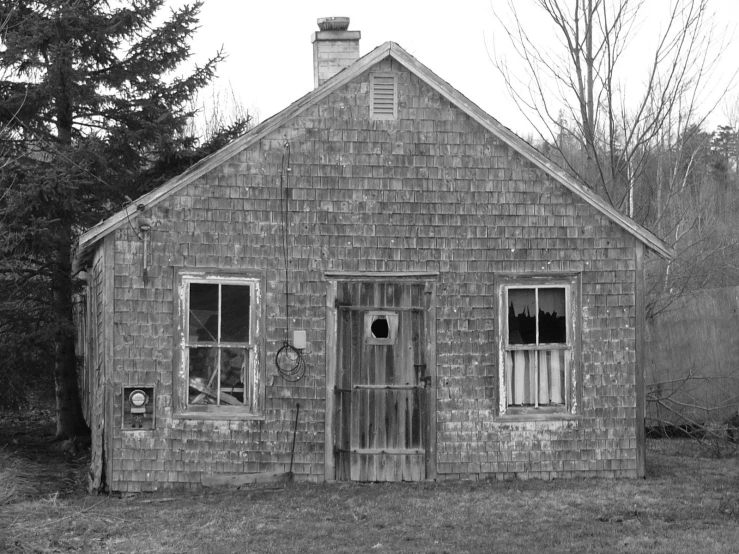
(440, 300)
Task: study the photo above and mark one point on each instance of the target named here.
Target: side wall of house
(91, 347)
(433, 192)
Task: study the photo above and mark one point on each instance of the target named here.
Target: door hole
(380, 328)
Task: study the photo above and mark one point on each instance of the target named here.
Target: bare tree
(675, 408)
(634, 135)
(630, 125)
(585, 93)
(220, 109)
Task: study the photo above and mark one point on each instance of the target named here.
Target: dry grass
(687, 504)
(16, 482)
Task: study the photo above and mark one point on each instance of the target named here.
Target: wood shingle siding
(431, 192)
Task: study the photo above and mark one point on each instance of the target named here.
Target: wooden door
(383, 384)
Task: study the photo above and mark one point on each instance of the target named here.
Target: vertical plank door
(382, 403)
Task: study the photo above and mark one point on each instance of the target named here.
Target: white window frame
(253, 407)
(571, 284)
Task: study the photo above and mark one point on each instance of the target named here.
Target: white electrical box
(299, 340)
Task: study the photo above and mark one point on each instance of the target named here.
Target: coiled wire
(290, 363)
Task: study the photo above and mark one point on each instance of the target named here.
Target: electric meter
(138, 400)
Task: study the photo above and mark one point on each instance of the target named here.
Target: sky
(270, 55)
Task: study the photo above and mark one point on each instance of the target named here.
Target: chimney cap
(333, 23)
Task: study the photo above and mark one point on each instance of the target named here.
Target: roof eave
(530, 153)
(92, 236)
(88, 239)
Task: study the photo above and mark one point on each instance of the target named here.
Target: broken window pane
(234, 372)
(552, 323)
(235, 313)
(203, 312)
(521, 316)
(202, 375)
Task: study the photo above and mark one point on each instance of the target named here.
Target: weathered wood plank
(208, 391)
(109, 354)
(640, 327)
(395, 309)
(408, 375)
(381, 465)
(417, 464)
(365, 351)
(239, 479)
(349, 330)
(373, 379)
(334, 406)
(416, 441)
(393, 298)
(406, 467)
(345, 377)
(392, 276)
(356, 365)
(375, 370)
(402, 419)
(379, 387)
(388, 451)
(380, 378)
(429, 358)
(417, 368)
(94, 367)
(363, 459)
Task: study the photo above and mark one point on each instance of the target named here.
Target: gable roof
(389, 49)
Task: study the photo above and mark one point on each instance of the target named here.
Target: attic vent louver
(383, 96)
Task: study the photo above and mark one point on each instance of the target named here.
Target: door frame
(427, 278)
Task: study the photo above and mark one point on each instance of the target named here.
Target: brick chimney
(334, 48)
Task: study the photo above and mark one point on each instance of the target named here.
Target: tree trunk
(70, 421)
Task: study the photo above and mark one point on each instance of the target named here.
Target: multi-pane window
(219, 347)
(537, 337)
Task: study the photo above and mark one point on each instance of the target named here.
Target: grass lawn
(688, 503)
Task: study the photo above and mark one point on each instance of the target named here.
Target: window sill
(548, 416)
(218, 416)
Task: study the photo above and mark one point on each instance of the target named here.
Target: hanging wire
(289, 360)
(284, 215)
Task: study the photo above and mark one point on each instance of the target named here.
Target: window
(537, 341)
(383, 96)
(219, 366)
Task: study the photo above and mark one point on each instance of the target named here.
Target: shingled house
(440, 300)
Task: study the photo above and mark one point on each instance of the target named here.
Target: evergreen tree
(725, 146)
(91, 113)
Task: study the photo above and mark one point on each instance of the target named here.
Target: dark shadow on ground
(50, 466)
